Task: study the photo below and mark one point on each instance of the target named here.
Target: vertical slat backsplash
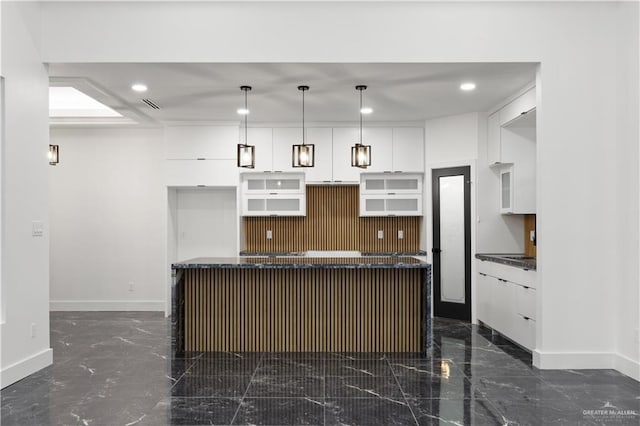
(332, 223)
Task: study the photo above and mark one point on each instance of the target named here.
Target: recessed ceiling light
(243, 111)
(139, 87)
(467, 86)
(366, 110)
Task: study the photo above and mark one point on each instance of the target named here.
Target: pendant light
(303, 155)
(54, 154)
(361, 154)
(246, 152)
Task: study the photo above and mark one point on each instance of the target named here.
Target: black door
(452, 242)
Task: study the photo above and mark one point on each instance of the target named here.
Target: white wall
(206, 223)
(628, 276)
(108, 220)
(25, 271)
(575, 43)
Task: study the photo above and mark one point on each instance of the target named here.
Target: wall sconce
(54, 155)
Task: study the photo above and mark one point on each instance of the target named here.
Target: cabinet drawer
(526, 301)
(522, 104)
(524, 332)
(513, 274)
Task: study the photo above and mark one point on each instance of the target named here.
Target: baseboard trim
(107, 305)
(586, 360)
(27, 366)
(627, 366)
(572, 360)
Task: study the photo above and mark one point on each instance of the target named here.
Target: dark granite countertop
(395, 253)
(368, 262)
(364, 253)
(517, 260)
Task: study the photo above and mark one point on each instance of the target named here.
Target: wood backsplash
(332, 223)
(529, 225)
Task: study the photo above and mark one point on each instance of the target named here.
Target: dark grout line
(248, 386)
(404, 395)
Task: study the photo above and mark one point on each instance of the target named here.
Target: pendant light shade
(360, 153)
(303, 155)
(54, 155)
(246, 152)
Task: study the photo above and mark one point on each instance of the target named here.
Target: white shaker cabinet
(343, 139)
(273, 194)
(201, 142)
(262, 139)
(391, 194)
(283, 140)
(519, 106)
(408, 149)
(322, 139)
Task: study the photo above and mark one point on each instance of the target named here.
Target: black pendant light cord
(360, 116)
(303, 132)
(246, 109)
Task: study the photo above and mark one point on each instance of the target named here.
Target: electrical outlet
(532, 236)
(380, 234)
(33, 330)
(131, 286)
(269, 234)
(400, 234)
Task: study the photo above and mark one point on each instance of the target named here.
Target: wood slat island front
(301, 304)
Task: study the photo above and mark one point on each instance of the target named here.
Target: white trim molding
(586, 360)
(107, 305)
(25, 367)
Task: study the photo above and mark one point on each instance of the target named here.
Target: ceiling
(210, 92)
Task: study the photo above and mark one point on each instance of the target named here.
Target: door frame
(427, 223)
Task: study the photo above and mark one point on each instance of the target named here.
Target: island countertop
(239, 262)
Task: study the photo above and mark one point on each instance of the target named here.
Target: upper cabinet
(391, 194)
(201, 142)
(262, 139)
(408, 149)
(343, 140)
(273, 194)
(504, 146)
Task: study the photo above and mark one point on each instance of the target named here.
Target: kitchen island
(301, 304)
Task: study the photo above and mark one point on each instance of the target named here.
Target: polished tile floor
(116, 369)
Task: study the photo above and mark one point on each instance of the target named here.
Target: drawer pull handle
(484, 275)
(527, 318)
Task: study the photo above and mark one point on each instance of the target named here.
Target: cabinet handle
(391, 193)
(326, 181)
(199, 159)
(484, 275)
(525, 287)
(201, 186)
(338, 181)
(527, 318)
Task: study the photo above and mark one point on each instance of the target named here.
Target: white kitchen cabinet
(322, 138)
(517, 190)
(201, 142)
(201, 173)
(262, 139)
(521, 105)
(408, 149)
(343, 139)
(273, 194)
(494, 154)
(506, 301)
(381, 141)
(283, 140)
(391, 194)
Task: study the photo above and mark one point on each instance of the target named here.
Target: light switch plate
(380, 234)
(532, 235)
(37, 228)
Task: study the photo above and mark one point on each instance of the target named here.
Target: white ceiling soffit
(205, 93)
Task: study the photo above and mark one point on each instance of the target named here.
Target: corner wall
(108, 215)
(25, 258)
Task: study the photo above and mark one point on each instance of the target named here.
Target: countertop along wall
(578, 144)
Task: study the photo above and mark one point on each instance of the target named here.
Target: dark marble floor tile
(354, 356)
(498, 368)
(358, 368)
(295, 355)
(204, 366)
(435, 367)
(452, 387)
(286, 386)
(368, 411)
(542, 412)
(192, 411)
(291, 367)
(593, 386)
(211, 386)
(362, 387)
(517, 389)
(233, 356)
(280, 411)
(401, 356)
(456, 412)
